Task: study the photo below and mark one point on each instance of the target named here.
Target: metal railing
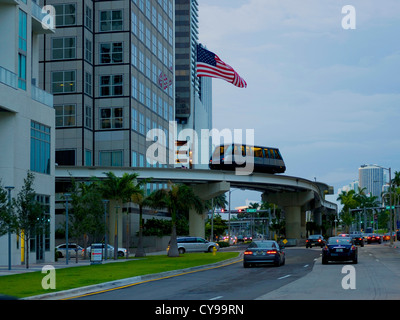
(8, 78)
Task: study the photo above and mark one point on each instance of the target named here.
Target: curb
(115, 284)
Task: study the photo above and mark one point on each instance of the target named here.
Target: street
(303, 277)
(232, 282)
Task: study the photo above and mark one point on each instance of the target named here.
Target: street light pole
(9, 188)
(116, 234)
(66, 195)
(105, 202)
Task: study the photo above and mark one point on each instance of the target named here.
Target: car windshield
(343, 240)
(263, 244)
(315, 236)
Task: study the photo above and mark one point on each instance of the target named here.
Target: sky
(326, 95)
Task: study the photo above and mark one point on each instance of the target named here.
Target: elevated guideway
(294, 194)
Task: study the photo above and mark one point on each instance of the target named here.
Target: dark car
(264, 251)
(358, 239)
(339, 249)
(373, 237)
(315, 240)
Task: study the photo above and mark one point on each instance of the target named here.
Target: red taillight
(319, 240)
(307, 240)
(377, 237)
(248, 252)
(272, 251)
(369, 237)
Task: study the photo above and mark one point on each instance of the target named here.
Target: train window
(258, 153)
(249, 151)
(277, 155)
(266, 154)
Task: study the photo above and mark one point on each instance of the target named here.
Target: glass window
(111, 118)
(22, 30)
(111, 52)
(88, 18)
(21, 71)
(111, 85)
(88, 157)
(40, 148)
(65, 115)
(111, 20)
(111, 158)
(63, 48)
(88, 116)
(63, 81)
(65, 14)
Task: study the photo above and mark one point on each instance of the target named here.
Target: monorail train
(266, 159)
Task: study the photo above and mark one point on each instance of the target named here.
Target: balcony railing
(41, 96)
(9, 78)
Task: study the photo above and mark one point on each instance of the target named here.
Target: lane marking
(288, 275)
(306, 266)
(216, 298)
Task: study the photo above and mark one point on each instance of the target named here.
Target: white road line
(216, 298)
(288, 275)
(306, 266)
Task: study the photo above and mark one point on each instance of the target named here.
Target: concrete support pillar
(197, 223)
(115, 223)
(205, 192)
(293, 222)
(292, 203)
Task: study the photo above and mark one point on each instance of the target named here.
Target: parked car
(373, 237)
(110, 251)
(195, 244)
(358, 238)
(264, 251)
(340, 249)
(315, 240)
(73, 249)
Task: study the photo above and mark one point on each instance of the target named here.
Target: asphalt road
(232, 282)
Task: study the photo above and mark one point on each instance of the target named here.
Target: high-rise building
(193, 94)
(27, 118)
(372, 179)
(110, 68)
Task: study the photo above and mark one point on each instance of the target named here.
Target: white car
(73, 248)
(195, 244)
(110, 251)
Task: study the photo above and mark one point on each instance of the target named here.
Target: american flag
(163, 81)
(210, 65)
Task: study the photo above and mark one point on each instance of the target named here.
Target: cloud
(327, 97)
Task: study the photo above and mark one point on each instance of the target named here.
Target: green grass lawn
(30, 284)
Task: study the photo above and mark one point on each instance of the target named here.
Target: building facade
(108, 68)
(193, 108)
(371, 178)
(27, 121)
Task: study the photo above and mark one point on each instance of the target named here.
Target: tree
(29, 212)
(142, 201)
(6, 214)
(86, 212)
(177, 197)
(216, 202)
(118, 190)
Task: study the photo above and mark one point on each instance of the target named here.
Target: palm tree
(177, 197)
(142, 201)
(118, 190)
